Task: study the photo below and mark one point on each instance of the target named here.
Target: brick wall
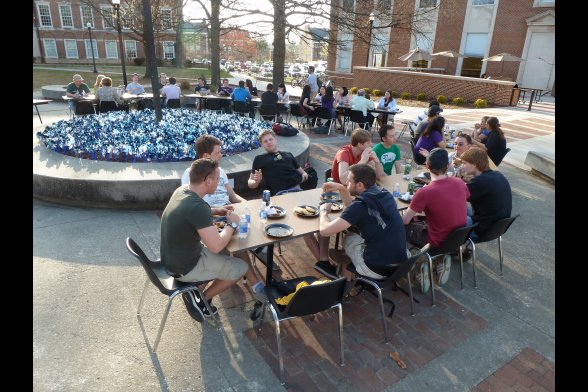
(448, 33)
(494, 91)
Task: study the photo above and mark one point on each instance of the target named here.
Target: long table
(37, 102)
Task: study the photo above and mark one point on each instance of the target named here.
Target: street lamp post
(372, 17)
(116, 5)
(89, 26)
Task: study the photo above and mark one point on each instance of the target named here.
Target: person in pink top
(444, 202)
(359, 151)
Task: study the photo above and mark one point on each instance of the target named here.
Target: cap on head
(434, 110)
(77, 77)
(438, 159)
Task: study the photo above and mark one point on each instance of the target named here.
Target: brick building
(60, 32)
(475, 28)
(312, 47)
(237, 45)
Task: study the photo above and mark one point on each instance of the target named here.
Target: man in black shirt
(279, 168)
(490, 193)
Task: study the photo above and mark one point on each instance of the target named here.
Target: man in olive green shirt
(186, 224)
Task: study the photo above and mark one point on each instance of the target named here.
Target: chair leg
(163, 320)
(431, 284)
(147, 283)
(279, 249)
(410, 294)
(500, 253)
(261, 317)
(341, 333)
(461, 265)
(381, 301)
(337, 241)
(474, 262)
(208, 306)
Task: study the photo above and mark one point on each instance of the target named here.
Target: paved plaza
(498, 337)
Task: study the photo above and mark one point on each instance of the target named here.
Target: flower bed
(136, 137)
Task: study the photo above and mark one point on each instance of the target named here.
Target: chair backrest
(499, 159)
(240, 107)
(268, 110)
(417, 158)
(454, 240)
(357, 116)
(323, 113)
(288, 191)
(402, 270)
(316, 298)
(84, 107)
(497, 229)
(213, 104)
(155, 270)
(296, 110)
(108, 106)
(174, 103)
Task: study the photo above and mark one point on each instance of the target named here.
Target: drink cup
(407, 169)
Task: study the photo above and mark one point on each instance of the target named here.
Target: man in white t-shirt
(208, 146)
(171, 91)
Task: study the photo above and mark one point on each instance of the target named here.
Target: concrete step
(542, 164)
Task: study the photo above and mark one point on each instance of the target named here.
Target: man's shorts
(354, 246)
(216, 266)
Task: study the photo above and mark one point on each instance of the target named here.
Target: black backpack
(312, 180)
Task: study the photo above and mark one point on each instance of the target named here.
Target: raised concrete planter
(54, 91)
(541, 163)
(82, 182)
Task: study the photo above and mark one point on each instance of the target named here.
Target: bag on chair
(416, 232)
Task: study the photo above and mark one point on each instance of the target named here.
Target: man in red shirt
(444, 202)
(359, 151)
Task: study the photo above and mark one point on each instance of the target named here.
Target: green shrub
(457, 101)
(139, 60)
(353, 90)
(421, 97)
(160, 62)
(368, 91)
(378, 93)
(188, 63)
(405, 95)
(442, 99)
(480, 103)
(394, 94)
(185, 85)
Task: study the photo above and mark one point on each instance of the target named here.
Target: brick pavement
(528, 371)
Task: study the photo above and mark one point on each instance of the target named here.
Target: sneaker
(422, 277)
(443, 268)
(196, 307)
(326, 268)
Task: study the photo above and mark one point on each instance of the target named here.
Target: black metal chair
(398, 273)
(268, 112)
(241, 108)
(108, 106)
(308, 300)
(166, 284)
(213, 105)
(455, 240)
(324, 114)
(84, 107)
(296, 111)
(173, 103)
(494, 232)
(418, 159)
(357, 117)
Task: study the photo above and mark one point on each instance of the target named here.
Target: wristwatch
(234, 225)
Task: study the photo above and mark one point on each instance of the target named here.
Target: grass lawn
(45, 74)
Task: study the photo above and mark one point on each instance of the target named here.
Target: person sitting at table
(444, 202)
(481, 130)
(424, 114)
(201, 86)
(490, 192)
(327, 102)
(252, 89)
(305, 105)
(495, 145)
(192, 249)
(359, 102)
(359, 151)
(431, 137)
(163, 81)
(98, 83)
(280, 169)
(108, 93)
(387, 102)
(283, 95)
(208, 146)
(342, 98)
(463, 143)
(378, 247)
(387, 151)
(171, 91)
(241, 94)
(134, 87)
(76, 89)
(433, 112)
(224, 90)
(269, 99)
(318, 98)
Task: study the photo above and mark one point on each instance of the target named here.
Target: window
(348, 5)
(476, 44)
(131, 49)
(111, 49)
(482, 2)
(471, 66)
(127, 18)
(427, 3)
(87, 16)
(166, 19)
(168, 50)
(45, 15)
(66, 19)
(71, 48)
(107, 18)
(89, 46)
(544, 3)
(50, 48)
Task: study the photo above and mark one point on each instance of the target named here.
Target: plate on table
(405, 197)
(421, 180)
(220, 222)
(306, 211)
(279, 212)
(331, 196)
(336, 206)
(278, 230)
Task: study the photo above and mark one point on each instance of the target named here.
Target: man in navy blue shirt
(380, 246)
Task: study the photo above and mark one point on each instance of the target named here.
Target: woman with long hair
(431, 138)
(387, 102)
(304, 102)
(249, 86)
(342, 98)
(98, 83)
(327, 101)
(495, 144)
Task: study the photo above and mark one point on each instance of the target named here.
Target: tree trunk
(179, 49)
(150, 53)
(214, 43)
(279, 51)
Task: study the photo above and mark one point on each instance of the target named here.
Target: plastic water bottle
(396, 191)
(263, 213)
(243, 228)
(247, 213)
